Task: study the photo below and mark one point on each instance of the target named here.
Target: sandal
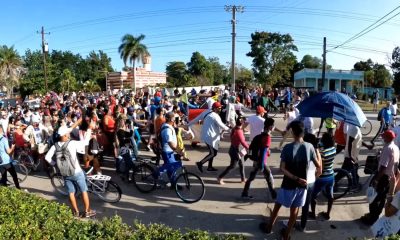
(90, 213)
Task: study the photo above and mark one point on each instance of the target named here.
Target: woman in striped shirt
(326, 180)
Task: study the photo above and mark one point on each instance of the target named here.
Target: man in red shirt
(260, 147)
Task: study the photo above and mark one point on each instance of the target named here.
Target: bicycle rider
(385, 118)
(169, 144)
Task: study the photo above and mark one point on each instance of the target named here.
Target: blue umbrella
(334, 105)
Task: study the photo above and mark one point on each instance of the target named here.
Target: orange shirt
(340, 138)
(158, 122)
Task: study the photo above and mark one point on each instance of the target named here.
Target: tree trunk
(134, 77)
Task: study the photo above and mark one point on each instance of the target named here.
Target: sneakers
(247, 197)
(199, 166)
(220, 181)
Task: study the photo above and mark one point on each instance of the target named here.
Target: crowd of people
(62, 125)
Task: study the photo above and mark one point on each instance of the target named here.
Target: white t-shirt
(393, 109)
(74, 147)
(210, 101)
(311, 173)
(355, 132)
(256, 125)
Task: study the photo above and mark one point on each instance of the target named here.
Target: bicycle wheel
(26, 160)
(189, 187)
(144, 178)
(59, 185)
(273, 113)
(366, 128)
(365, 176)
(112, 193)
(342, 183)
(22, 172)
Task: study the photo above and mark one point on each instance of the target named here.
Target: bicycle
(22, 172)
(99, 185)
(25, 158)
(188, 186)
(366, 128)
(345, 184)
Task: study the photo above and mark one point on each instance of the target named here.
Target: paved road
(222, 210)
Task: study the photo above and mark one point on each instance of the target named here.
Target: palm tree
(10, 67)
(133, 50)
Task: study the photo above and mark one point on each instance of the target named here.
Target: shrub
(27, 216)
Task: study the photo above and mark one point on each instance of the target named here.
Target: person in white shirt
(256, 123)
(210, 100)
(393, 110)
(290, 116)
(210, 134)
(78, 178)
(352, 150)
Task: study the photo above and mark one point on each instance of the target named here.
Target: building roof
(329, 74)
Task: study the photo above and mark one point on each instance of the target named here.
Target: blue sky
(174, 29)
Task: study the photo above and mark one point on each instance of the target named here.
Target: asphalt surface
(222, 210)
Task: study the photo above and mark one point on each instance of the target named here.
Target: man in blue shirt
(385, 118)
(6, 162)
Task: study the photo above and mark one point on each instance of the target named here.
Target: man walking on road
(388, 166)
(211, 135)
(78, 177)
(256, 123)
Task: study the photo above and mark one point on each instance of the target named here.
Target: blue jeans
(306, 207)
(78, 179)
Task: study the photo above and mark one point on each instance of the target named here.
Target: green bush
(27, 216)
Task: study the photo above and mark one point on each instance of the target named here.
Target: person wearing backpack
(260, 151)
(63, 154)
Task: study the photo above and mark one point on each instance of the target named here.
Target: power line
(369, 29)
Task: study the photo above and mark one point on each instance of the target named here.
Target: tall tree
(273, 57)
(200, 68)
(177, 74)
(220, 72)
(395, 65)
(132, 50)
(10, 68)
(32, 81)
(375, 75)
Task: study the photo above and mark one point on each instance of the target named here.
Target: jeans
(267, 175)
(235, 159)
(306, 207)
(78, 179)
(210, 157)
(352, 168)
(376, 207)
(9, 168)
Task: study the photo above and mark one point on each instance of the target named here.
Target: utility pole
(234, 9)
(324, 64)
(45, 49)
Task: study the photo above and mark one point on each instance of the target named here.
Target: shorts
(292, 198)
(78, 179)
(324, 183)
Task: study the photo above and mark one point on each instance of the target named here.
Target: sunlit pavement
(222, 210)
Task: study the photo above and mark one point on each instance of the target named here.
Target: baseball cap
(389, 135)
(216, 105)
(260, 109)
(35, 119)
(63, 130)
